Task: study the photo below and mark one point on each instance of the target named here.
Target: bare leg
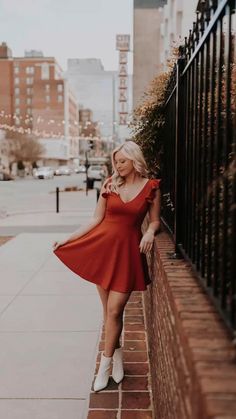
(104, 297)
(114, 321)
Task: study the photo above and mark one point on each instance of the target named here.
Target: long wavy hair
(131, 151)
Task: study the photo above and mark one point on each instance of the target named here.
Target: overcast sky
(67, 28)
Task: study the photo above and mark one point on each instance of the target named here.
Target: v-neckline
(136, 196)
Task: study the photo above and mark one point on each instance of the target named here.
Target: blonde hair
(131, 151)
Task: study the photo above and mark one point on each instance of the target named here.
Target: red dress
(109, 254)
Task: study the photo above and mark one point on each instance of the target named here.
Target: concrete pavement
(50, 322)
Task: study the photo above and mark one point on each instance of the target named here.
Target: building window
(47, 87)
(29, 90)
(17, 101)
(179, 23)
(17, 80)
(45, 71)
(29, 70)
(16, 70)
(28, 101)
(60, 88)
(17, 90)
(17, 111)
(59, 98)
(29, 111)
(29, 80)
(47, 98)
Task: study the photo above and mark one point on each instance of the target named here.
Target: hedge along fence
(149, 118)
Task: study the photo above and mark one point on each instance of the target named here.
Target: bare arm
(154, 223)
(97, 218)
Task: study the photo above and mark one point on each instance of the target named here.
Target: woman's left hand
(146, 242)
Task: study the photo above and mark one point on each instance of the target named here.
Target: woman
(110, 250)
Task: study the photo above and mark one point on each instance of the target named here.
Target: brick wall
(193, 360)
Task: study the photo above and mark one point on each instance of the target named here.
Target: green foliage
(149, 119)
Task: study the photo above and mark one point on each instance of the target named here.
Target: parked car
(62, 170)
(95, 172)
(80, 169)
(5, 176)
(44, 172)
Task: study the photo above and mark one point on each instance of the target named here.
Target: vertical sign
(123, 46)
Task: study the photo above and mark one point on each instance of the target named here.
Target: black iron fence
(199, 172)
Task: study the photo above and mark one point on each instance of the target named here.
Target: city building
(36, 99)
(177, 18)
(147, 45)
(161, 25)
(98, 90)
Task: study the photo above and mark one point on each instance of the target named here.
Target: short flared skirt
(109, 256)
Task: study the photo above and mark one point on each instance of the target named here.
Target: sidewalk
(50, 327)
(50, 320)
(50, 324)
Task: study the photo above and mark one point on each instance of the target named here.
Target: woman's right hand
(58, 244)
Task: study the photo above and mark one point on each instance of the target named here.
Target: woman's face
(123, 165)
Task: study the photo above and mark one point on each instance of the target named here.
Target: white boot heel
(117, 368)
(102, 378)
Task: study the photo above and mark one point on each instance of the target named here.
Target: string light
(41, 119)
(43, 134)
(58, 135)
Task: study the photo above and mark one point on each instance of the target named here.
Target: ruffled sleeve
(154, 185)
(106, 194)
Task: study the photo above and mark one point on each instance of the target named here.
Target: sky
(67, 28)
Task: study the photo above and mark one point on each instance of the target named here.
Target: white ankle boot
(102, 378)
(117, 368)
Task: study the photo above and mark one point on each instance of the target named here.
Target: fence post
(57, 199)
(179, 141)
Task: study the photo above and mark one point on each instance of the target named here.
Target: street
(30, 195)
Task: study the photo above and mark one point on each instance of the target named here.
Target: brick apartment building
(35, 97)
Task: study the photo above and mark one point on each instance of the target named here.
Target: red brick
(182, 323)
(205, 354)
(221, 369)
(102, 414)
(134, 319)
(135, 383)
(135, 326)
(133, 312)
(135, 400)
(132, 345)
(135, 297)
(217, 406)
(130, 356)
(141, 368)
(224, 385)
(209, 343)
(182, 275)
(132, 304)
(136, 293)
(198, 315)
(104, 400)
(223, 416)
(135, 336)
(135, 414)
(101, 345)
(207, 325)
